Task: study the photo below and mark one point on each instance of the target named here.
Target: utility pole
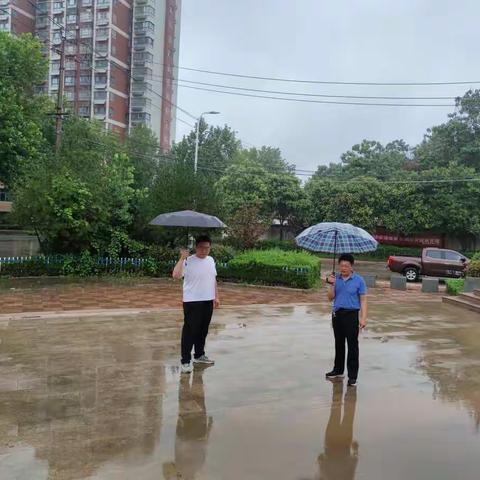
(59, 109)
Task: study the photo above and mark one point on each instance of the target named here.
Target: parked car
(434, 262)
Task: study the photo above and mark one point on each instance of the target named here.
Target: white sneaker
(187, 368)
(203, 359)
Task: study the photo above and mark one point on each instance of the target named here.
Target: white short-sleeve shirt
(199, 279)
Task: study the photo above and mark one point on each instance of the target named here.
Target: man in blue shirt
(348, 292)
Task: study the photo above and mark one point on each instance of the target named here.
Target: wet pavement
(101, 397)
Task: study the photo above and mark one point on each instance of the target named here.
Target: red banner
(420, 240)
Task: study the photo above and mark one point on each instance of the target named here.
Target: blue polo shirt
(347, 292)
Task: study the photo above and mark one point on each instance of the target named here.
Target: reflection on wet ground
(102, 397)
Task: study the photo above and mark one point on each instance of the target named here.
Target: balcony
(86, 33)
(142, 73)
(57, 7)
(85, 95)
(144, 11)
(101, 66)
(140, 103)
(4, 3)
(100, 98)
(103, 4)
(101, 82)
(140, 88)
(143, 43)
(103, 34)
(102, 20)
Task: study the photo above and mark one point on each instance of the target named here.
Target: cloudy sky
(333, 40)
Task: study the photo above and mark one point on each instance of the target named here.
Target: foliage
(81, 199)
(273, 267)
(455, 285)
(222, 253)
(23, 116)
(473, 269)
(246, 226)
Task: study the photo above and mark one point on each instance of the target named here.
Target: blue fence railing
(48, 259)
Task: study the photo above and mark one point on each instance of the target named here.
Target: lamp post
(196, 137)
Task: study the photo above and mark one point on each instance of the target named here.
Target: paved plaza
(101, 396)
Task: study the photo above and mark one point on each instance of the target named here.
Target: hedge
(473, 269)
(273, 267)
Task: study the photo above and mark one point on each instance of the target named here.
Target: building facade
(119, 57)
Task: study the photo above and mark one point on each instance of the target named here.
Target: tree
(245, 183)
(142, 148)
(270, 159)
(246, 226)
(456, 141)
(286, 200)
(217, 147)
(24, 124)
(81, 199)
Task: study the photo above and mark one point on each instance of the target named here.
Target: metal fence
(53, 259)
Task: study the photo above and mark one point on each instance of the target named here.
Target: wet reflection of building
(340, 456)
(193, 429)
(82, 399)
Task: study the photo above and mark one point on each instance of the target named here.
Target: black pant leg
(338, 331)
(205, 318)
(191, 328)
(352, 342)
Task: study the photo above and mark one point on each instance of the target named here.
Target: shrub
(474, 255)
(473, 269)
(287, 245)
(455, 286)
(273, 267)
(222, 253)
(34, 267)
(162, 253)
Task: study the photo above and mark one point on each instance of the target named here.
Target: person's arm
(363, 311)
(216, 302)
(178, 270)
(331, 288)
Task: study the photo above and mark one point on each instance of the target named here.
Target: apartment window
(102, 33)
(86, 17)
(71, 19)
(87, 3)
(100, 95)
(84, 110)
(71, 3)
(84, 94)
(100, 79)
(103, 3)
(84, 49)
(144, 26)
(143, 41)
(55, 65)
(57, 5)
(71, 49)
(54, 81)
(71, 35)
(42, 8)
(85, 79)
(99, 110)
(70, 96)
(70, 65)
(69, 80)
(101, 64)
(57, 38)
(85, 64)
(86, 32)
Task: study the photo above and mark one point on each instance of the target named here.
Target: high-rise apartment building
(119, 57)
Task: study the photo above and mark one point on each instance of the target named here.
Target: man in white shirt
(200, 297)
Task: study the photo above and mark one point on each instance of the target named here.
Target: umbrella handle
(334, 250)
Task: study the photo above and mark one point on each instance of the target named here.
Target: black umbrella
(187, 219)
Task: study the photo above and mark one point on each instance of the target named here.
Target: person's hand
(184, 253)
(216, 303)
(363, 323)
(331, 279)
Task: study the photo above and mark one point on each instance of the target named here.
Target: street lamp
(196, 137)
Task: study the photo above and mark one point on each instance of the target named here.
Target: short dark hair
(203, 238)
(346, 257)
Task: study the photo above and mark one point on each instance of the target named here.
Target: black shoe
(334, 374)
(352, 382)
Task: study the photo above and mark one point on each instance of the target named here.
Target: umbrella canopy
(334, 237)
(187, 218)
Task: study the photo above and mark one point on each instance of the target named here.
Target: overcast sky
(334, 40)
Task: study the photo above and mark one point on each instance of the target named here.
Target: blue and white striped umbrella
(334, 237)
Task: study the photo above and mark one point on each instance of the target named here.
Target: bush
(34, 267)
(286, 245)
(473, 255)
(222, 253)
(273, 267)
(473, 269)
(455, 286)
(162, 253)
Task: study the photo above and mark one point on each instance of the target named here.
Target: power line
(324, 82)
(277, 92)
(327, 102)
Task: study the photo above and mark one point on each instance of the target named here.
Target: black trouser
(197, 317)
(345, 327)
